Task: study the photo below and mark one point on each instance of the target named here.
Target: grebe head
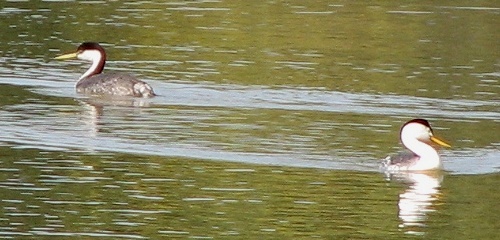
(89, 51)
(419, 129)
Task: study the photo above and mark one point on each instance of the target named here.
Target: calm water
(270, 123)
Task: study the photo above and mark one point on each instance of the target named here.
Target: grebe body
(94, 82)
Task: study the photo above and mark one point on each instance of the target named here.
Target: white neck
(90, 55)
(429, 157)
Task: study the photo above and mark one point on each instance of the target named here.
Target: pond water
(271, 120)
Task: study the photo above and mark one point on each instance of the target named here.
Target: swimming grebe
(416, 135)
(94, 82)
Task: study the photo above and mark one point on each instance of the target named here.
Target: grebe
(94, 82)
(415, 136)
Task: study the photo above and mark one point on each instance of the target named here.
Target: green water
(127, 196)
(271, 119)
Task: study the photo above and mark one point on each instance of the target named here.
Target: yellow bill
(436, 140)
(67, 56)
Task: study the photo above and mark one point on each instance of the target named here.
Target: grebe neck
(98, 61)
(423, 150)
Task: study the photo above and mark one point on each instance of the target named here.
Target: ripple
(199, 199)
(86, 234)
(227, 189)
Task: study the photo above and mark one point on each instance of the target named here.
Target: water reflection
(95, 107)
(126, 196)
(418, 200)
(278, 126)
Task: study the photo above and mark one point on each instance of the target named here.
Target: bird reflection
(92, 116)
(95, 109)
(418, 199)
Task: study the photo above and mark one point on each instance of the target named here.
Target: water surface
(270, 121)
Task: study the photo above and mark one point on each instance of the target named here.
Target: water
(270, 123)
